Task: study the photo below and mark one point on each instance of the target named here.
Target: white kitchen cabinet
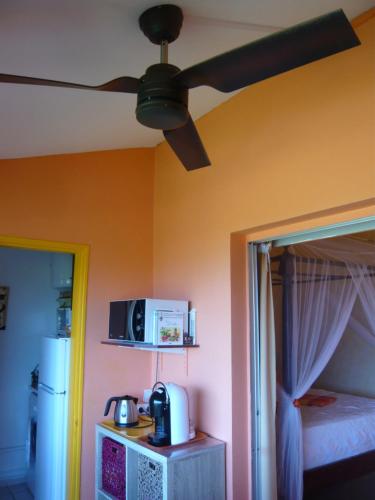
(191, 471)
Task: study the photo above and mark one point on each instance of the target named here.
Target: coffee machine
(169, 407)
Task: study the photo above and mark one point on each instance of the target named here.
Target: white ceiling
(94, 41)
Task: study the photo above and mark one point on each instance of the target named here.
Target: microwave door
(136, 321)
(130, 329)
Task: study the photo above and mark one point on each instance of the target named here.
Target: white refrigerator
(52, 425)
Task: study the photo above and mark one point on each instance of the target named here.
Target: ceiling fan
(162, 92)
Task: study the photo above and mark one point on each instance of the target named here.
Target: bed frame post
(286, 271)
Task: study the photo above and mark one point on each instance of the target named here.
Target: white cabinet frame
(191, 471)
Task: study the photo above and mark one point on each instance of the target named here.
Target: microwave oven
(138, 320)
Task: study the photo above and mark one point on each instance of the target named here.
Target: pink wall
(104, 200)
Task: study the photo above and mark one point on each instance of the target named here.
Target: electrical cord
(157, 367)
(147, 423)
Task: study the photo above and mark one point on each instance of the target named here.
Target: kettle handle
(130, 397)
(108, 405)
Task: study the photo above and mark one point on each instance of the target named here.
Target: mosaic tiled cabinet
(192, 471)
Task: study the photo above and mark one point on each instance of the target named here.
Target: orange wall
(289, 146)
(104, 200)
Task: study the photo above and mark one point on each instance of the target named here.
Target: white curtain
(268, 474)
(358, 257)
(362, 320)
(313, 326)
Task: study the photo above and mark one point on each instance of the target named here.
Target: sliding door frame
(254, 357)
(80, 273)
(330, 231)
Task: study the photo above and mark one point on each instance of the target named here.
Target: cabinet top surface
(144, 427)
(138, 437)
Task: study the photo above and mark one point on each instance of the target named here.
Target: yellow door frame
(81, 260)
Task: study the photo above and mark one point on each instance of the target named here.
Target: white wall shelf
(181, 349)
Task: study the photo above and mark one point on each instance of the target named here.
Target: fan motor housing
(161, 103)
(161, 23)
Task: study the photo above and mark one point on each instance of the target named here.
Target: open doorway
(334, 373)
(49, 312)
(36, 325)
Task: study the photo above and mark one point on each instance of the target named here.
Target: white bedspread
(340, 430)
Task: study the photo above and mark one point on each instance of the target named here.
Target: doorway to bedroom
(312, 357)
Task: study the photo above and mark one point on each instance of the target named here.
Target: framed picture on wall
(4, 292)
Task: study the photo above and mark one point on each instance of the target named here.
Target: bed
(338, 440)
(322, 282)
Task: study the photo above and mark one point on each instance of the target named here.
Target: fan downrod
(161, 103)
(161, 23)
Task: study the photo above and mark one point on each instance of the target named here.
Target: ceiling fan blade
(282, 51)
(187, 145)
(122, 84)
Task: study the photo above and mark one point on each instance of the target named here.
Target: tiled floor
(15, 492)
